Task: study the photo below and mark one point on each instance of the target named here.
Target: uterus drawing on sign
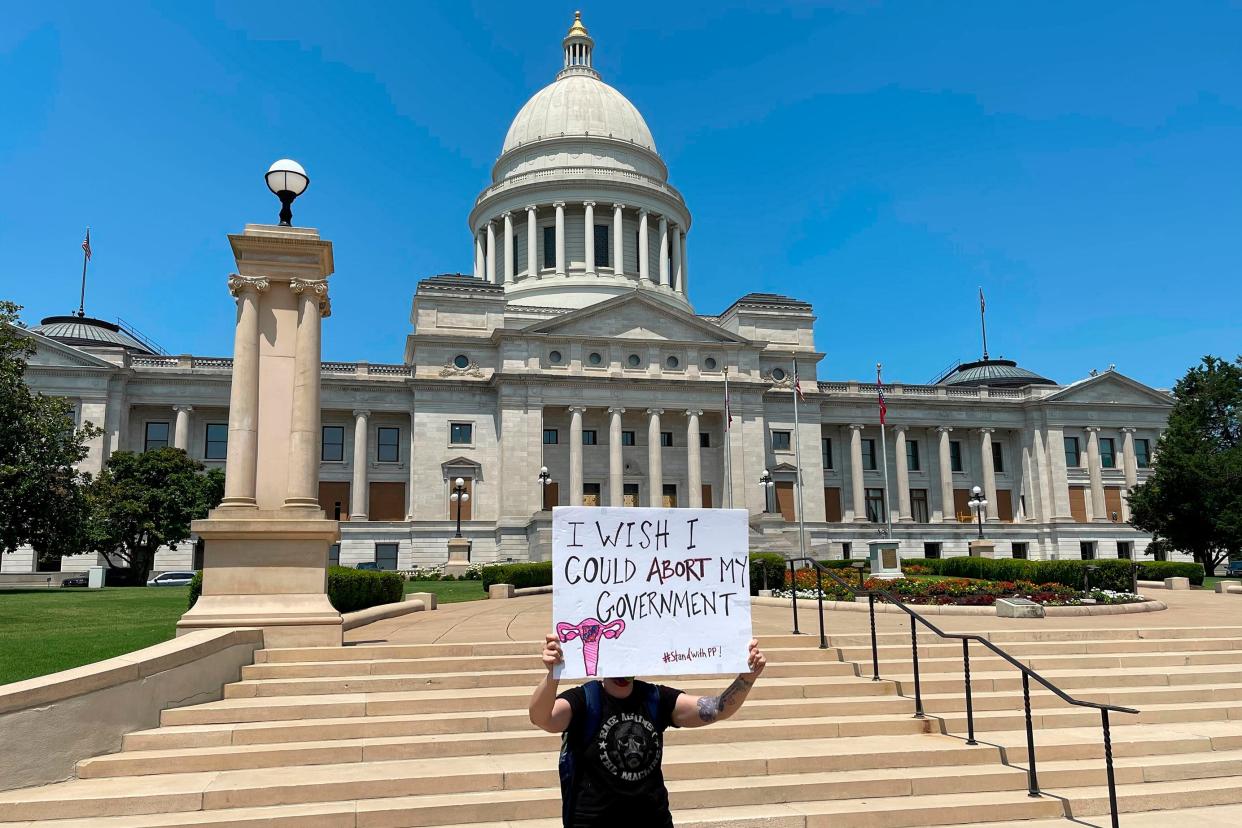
(591, 632)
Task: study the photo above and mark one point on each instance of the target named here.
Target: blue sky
(1080, 161)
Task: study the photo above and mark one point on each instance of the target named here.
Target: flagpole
(798, 463)
(983, 323)
(728, 428)
(888, 512)
(85, 258)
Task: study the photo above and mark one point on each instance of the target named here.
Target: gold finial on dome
(577, 28)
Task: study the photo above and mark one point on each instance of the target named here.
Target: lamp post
(287, 180)
(459, 496)
(978, 502)
(765, 480)
(860, 566)
(545, 479)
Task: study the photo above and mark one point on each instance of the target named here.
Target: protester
(613, 743)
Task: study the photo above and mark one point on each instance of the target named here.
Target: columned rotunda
(573, 345)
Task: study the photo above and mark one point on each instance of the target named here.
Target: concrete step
(932, 647)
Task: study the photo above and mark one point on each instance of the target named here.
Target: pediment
(1110, 388)
(634, 317)
(52, 354)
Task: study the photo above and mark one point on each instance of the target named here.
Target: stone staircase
(437, 735)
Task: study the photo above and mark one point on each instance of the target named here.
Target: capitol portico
(574, 346)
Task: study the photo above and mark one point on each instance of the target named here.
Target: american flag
(798, 387)
(879, 387)
(728, 412)
(982, 305)
(86, 244)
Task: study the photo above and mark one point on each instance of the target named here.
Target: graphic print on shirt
(629, 747)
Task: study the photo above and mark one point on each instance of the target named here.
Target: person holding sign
(613, 743)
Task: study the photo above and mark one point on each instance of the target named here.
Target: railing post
(819, 585)
(1108, 763)
(918, 688)
(793, 591)
(970, 706)
(875, 650)
(1032, 780)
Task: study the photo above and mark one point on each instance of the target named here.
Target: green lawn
(449, 592)
(45, 630)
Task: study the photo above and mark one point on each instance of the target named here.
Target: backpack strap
(653, 707)
(595, 711)
(571, 754)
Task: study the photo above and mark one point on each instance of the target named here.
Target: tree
(1193, 499)
(142, 501)
(41, 500)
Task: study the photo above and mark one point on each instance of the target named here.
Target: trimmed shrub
(1109, 574)
(1159, 570)
(349, 590)
(521, 575)
(769, 564)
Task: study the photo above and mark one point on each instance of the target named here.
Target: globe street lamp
(978, 502)
(459, 496)
(287, 180)
(545, 480)
(765, 480)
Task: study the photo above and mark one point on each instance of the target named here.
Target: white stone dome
(577, 105)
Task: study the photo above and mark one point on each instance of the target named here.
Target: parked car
(75, 581)
(1234, 567)
(172, 579)
(367, 565)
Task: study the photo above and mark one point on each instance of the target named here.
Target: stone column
(675, 238)
(694, 463)
(655, 471)
(491, 252)
(616, 466)
(532, 241)
(903, 476)
(644, 248)
(508, 217)
(858, 496)
(685, 267)
(241, 459)
(1129, 465)
(588, 242)
(358, 493)
(664, 251)
(480, 255)
(575, 454)
(181, 429)
(1042, 475)
(1058, 483)
(560, 249)
(1099, 511)
(948, 511)
(618, 240)
(304, 422)
(989, 471)
(412, 482)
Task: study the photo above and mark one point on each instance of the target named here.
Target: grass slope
(449, 592)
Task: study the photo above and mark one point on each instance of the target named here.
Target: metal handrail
(965, 638)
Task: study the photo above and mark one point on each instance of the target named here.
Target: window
(602, 259)
(1087, 550)
(875, 505)
(1125, 550)
(705, 439)
(332, 448)
(931, 550)
(217, 441)
(633, 360)
(868, 455)
(666, 439)
(629, 494)
(670, 495)
(955, 455)
(554, 357)
(672, 363)
(1108, 453)
(387, 445)
(550, 437)
(549, 247)
(1142, 453)
(156, 436)
(825, 452)
(334, 555)
(709, 364)
(912, 455)
(998, 458)
(780, 441)
(590, 437)
(778, 374)
(386, 556)
(1071, 452)
(846, 549)
(461, 434)
(595, 358)
(590, 494)
(461, 361)
(1018, 550)
(918, 505)
(627, 438)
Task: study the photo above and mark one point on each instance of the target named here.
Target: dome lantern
(578, 48)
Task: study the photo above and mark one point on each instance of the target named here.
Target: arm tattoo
(712, 707)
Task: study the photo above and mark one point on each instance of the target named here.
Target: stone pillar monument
(266, 545)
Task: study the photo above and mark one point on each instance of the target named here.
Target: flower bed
(958, 591)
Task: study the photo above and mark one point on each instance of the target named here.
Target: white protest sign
(650, 592)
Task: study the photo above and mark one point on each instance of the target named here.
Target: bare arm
(546, 710)
(697, 711)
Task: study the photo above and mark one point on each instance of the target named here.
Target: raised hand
(552, 654)
(755, 660)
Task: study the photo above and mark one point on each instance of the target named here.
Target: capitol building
(573, 345)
